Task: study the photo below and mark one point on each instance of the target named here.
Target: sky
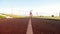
(23, 7)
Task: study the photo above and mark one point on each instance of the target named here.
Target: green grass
(18, 16)
(2, 16)
(47, 17)
(15, 16)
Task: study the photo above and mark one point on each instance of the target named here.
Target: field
(47, 17)
(2, 16)
(15, 16)
(11, 15)
(18, 16)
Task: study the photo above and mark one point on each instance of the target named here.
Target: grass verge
(2, 16)
(47, 17)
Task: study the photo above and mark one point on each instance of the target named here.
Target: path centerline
(29, 29)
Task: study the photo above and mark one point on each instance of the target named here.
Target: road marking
(29, 29)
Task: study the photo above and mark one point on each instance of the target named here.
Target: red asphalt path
(45, 26)
(29, 26)
(13, 26)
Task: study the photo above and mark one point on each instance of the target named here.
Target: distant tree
(52, 15)
(41, 16)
